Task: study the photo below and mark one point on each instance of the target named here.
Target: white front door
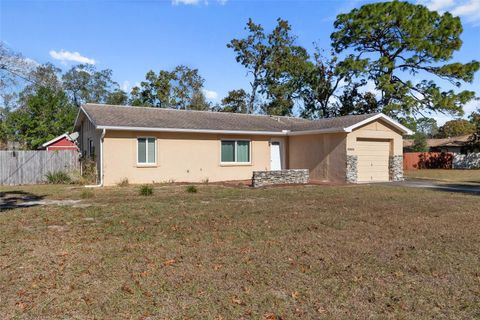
(275, 157)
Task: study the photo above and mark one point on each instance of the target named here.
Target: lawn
(468, 176)
(307, 252)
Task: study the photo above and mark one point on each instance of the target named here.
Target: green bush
(192, 189)
(146, 190)
(87, 193)
(89, 172)
(58, 177)
(419, 142)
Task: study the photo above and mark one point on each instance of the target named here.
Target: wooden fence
(427, 160)
(31, 167)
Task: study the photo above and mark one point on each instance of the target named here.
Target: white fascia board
(86, 114)
(268, 133)
(243, 132)
(65, 135)
(77, 117)
(394, 123)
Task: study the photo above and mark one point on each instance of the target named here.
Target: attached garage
(351, 150)
(373, 158)
(375, 151)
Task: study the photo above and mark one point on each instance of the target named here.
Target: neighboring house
(453, 145)
(62, 142)
(146, 145)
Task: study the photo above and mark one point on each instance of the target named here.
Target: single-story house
(62, 142)
(453, 144)
(146, 145)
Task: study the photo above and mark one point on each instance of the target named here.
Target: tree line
(381, 45)
(427, 128)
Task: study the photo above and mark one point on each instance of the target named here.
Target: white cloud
(125, 86)
(196, 2)
(468, 9)
(186, 2)
(65, 56)
(210, 95)
(439, 5)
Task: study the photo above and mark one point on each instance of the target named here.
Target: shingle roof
(332, 123)
(140, 117)
(444, 142)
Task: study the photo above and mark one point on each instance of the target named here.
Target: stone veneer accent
(395, 168)
(352, 168)
(290, 176)
(466, 161)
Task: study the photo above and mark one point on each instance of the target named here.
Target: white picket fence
(31, 167)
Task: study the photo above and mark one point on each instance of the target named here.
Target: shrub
(87, 194)
(192, 189)
(419, 143)
(146, 190)
(75, 177)
(58, 177)
(89, 171)
(123, 182)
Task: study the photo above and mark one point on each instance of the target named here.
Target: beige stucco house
(146, 145)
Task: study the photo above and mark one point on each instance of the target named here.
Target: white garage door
(373, 156)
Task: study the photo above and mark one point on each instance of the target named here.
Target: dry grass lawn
(312, 252)
(468, 176)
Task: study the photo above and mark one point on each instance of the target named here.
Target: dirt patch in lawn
(21, 199)
(305, 252)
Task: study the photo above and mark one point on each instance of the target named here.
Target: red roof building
(63, 142)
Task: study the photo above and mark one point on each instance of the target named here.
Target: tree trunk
(251, 101)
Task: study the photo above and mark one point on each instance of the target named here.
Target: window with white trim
(146, 151)
(235, 151)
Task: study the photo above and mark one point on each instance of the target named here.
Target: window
(91, 148)
(235, 151)
(146, 151)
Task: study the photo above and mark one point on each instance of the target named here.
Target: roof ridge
(202, 111)
(350, 115)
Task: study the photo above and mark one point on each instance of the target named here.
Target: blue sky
(131, 37)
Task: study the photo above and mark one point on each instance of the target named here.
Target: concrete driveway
(439, 185)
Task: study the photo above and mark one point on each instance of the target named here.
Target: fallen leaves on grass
(236, 300)
(169, 262)
(127, 289)
(295, 295)
(272, 316)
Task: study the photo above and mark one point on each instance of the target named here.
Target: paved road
(438, 185)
